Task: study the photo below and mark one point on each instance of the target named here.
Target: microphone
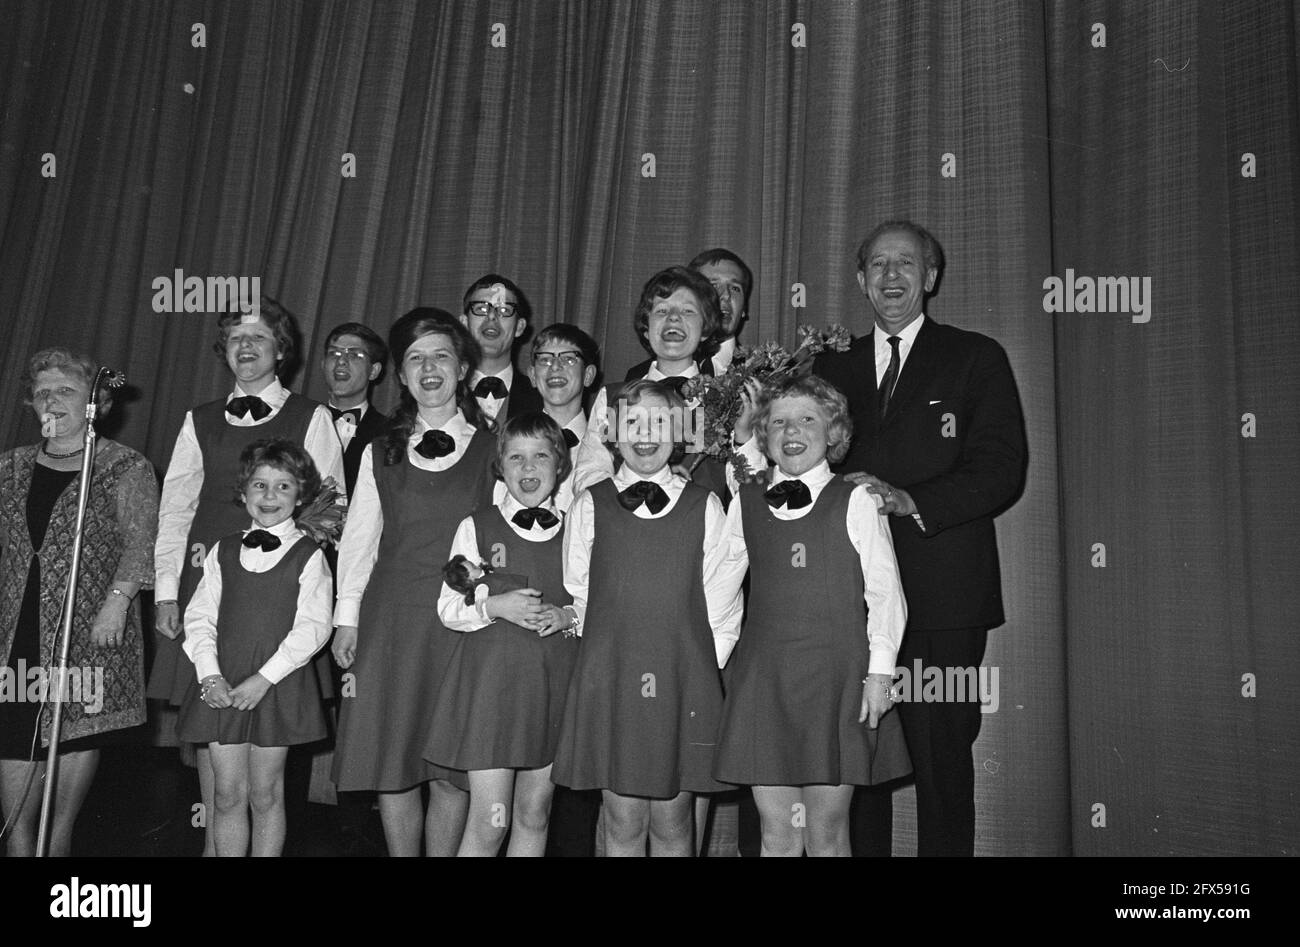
(111, 378)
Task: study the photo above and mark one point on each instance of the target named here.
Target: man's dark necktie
(643, 491)
(435, 444)
(526, 518)
(261, 539)
(570, 439)
(240, 407)
(890, 381)
(792, 494)
(490, 386)
(352, 414)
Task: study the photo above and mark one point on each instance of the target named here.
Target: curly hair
(631, 394)
(284, 456)
(70, 363)
(278, 319)
(662, 285)
(833, 404)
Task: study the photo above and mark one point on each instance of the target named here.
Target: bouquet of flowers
(322, 520)
(720, 396)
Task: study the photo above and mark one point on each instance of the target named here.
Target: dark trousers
(939, 738)
(572, 832)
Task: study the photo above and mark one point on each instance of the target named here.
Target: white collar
(578, 425)
(272, 394)
(655, 374)
(456, 426)
(908, 335)
(282, 530)
(726, 351)
(506, 374)
(818, 476)
(510, 506)
(360, 409)
(626, 476)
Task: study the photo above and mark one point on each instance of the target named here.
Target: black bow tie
(435, 444)
(792, 494)
(676, 382)
(525, 518)
(570, 439)
(352, 414)
(490, 386)
(262, 539)
(239, 407)
(643, 491)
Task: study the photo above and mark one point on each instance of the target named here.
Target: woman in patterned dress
(39, 486)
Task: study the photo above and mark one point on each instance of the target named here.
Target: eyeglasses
(483, 309)
(546, 360)
(351, 354)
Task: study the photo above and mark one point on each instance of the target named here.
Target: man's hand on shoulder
(894, 501)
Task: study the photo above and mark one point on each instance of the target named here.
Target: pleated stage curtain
(1147, 701)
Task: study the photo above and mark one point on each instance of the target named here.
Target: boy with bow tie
(352, 364)
(496, 313)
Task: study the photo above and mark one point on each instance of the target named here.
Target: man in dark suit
(937, 434)
(496, 312)
(353, 361)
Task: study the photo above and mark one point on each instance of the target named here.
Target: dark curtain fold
(1026, 148)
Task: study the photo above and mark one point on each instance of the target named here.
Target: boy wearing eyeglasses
(563, 368)
(496, 314)
(352, 364)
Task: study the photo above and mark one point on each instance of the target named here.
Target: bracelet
(165, 601)
(207, 684)
(116, 591)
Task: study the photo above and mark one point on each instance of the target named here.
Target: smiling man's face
(895, 279)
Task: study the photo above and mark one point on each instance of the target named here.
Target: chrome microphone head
(111, 378)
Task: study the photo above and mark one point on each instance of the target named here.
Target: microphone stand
(65, 634)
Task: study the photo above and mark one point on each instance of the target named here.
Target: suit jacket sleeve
(991, 467)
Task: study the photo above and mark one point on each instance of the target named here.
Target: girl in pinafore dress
(500, 703)
(415, 485)
(261, 612)
(809, 689)
(650, 573)
(197, 507)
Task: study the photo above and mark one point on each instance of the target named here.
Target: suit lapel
(919, 365)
